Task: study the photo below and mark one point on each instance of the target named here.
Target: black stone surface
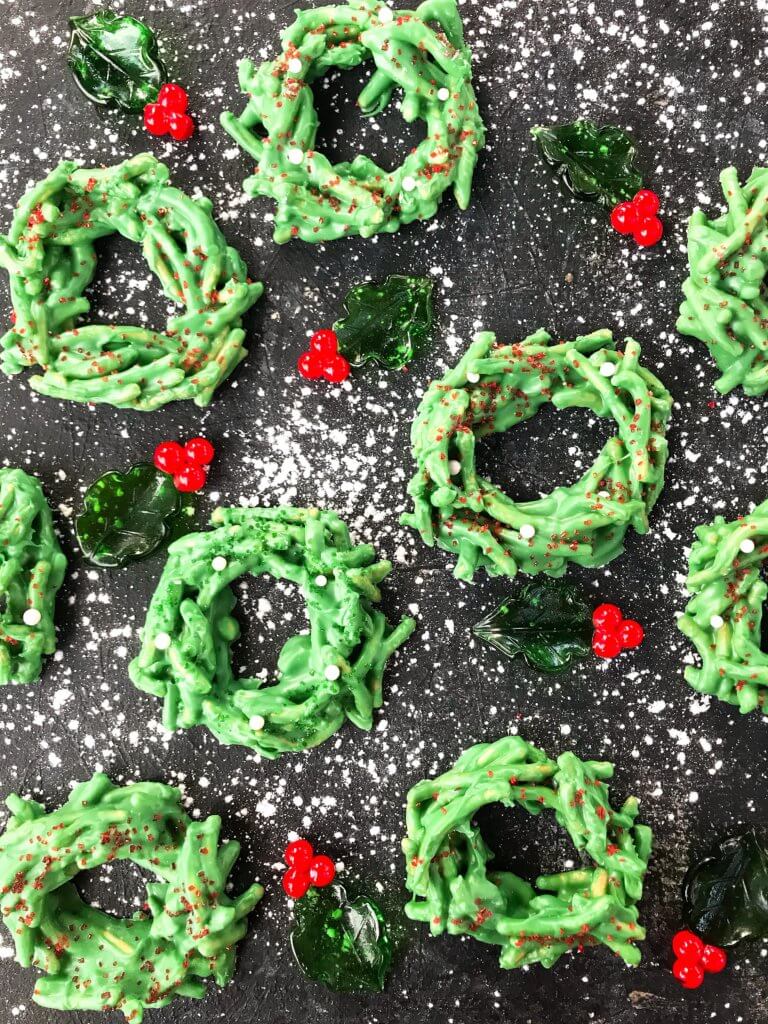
(686, 79)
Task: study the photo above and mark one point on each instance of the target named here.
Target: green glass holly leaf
(725, 894)
(342, 944)
(594, 163)
(547, 621)
(386, 323)
(127, 516)
(114, 60)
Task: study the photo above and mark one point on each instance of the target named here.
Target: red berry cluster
(323, 358)
(638, 218)
(694, 959)
(188, 465)
(305, 869)
(168, 116)
(613, 633)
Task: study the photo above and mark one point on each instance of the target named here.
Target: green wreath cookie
(421, 53)
(32, 569)
(50, 256)
(91, 960)
(724, 303)
(494, 387)
(723, 618)
(446, 858)
(323, 678)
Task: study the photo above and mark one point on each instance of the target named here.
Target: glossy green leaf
(547, 622)
(127, 516)
(594, 163)
(114, 60)
(342, 944)
(725, 894)
(387, 323)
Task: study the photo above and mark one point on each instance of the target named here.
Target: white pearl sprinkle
(294, 156)
(454, 467)
(443, 94)
(717, 621)
(747, 546)
(257, 723)
(409, 183)
(603, 495)
(321, 581)
(608, 369)
(386, 15)
(332, 672)
(31, 617)
(294, 65)
(219, 563)
(473, 378)
(162, 642)
(527, 530)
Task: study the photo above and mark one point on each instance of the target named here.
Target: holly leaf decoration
(114, 60)
(594, 163)
(127, 516)
(386, 323)
(342, 944)
(547, 622)
(725, 894)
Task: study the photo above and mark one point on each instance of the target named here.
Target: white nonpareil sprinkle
(608, 369)
(747, 546)
(716, 621)
(294, 156)
(527, 530)
(256, 722)
(409, 183)
(31, 617)
(473, 378)
(294, 65)
(162, 641)
(332, 672)
(321, 581)
(386, 15)
(219, 563)
(454, 467)
(603, 495)
(443, 94)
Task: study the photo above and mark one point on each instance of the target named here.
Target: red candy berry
(631, 633)
(646, 202)
(613, 633)
(324, 340)
(713, 959)
(173, 98)
(180, 127)
(296, 882)
(323, 358)
(155, 119)
(605, 644)
(336, 369)
(624, 218)
(689, 973)
(648, 232)
(686, 945)
(637, 217)
(606, 616)
(168, 116)
(200, 451)
(322, 871)
(169, 457)
(299, 854)
(190, 478)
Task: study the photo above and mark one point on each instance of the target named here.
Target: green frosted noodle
(50, 256)
(723, 618)
(32, 569)
(494, 387)
(421, 52)
(446, 858)
(95, 961)
(724, 304)
(349, 640)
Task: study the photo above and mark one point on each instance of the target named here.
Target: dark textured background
(686, 79)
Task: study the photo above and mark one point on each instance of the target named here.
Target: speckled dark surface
(686, 78)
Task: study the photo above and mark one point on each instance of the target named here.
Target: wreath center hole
(546, 451)
(124, 290)
(117, 888)
(345, 132)
(526, 845)
(269, 611)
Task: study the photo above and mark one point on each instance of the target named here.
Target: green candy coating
(95, 961)
(50, 256)
(421, 52)
(492, 388)
(446, 858)
(32, 567)
(723, 618)
(330, 675)
(724, 303)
